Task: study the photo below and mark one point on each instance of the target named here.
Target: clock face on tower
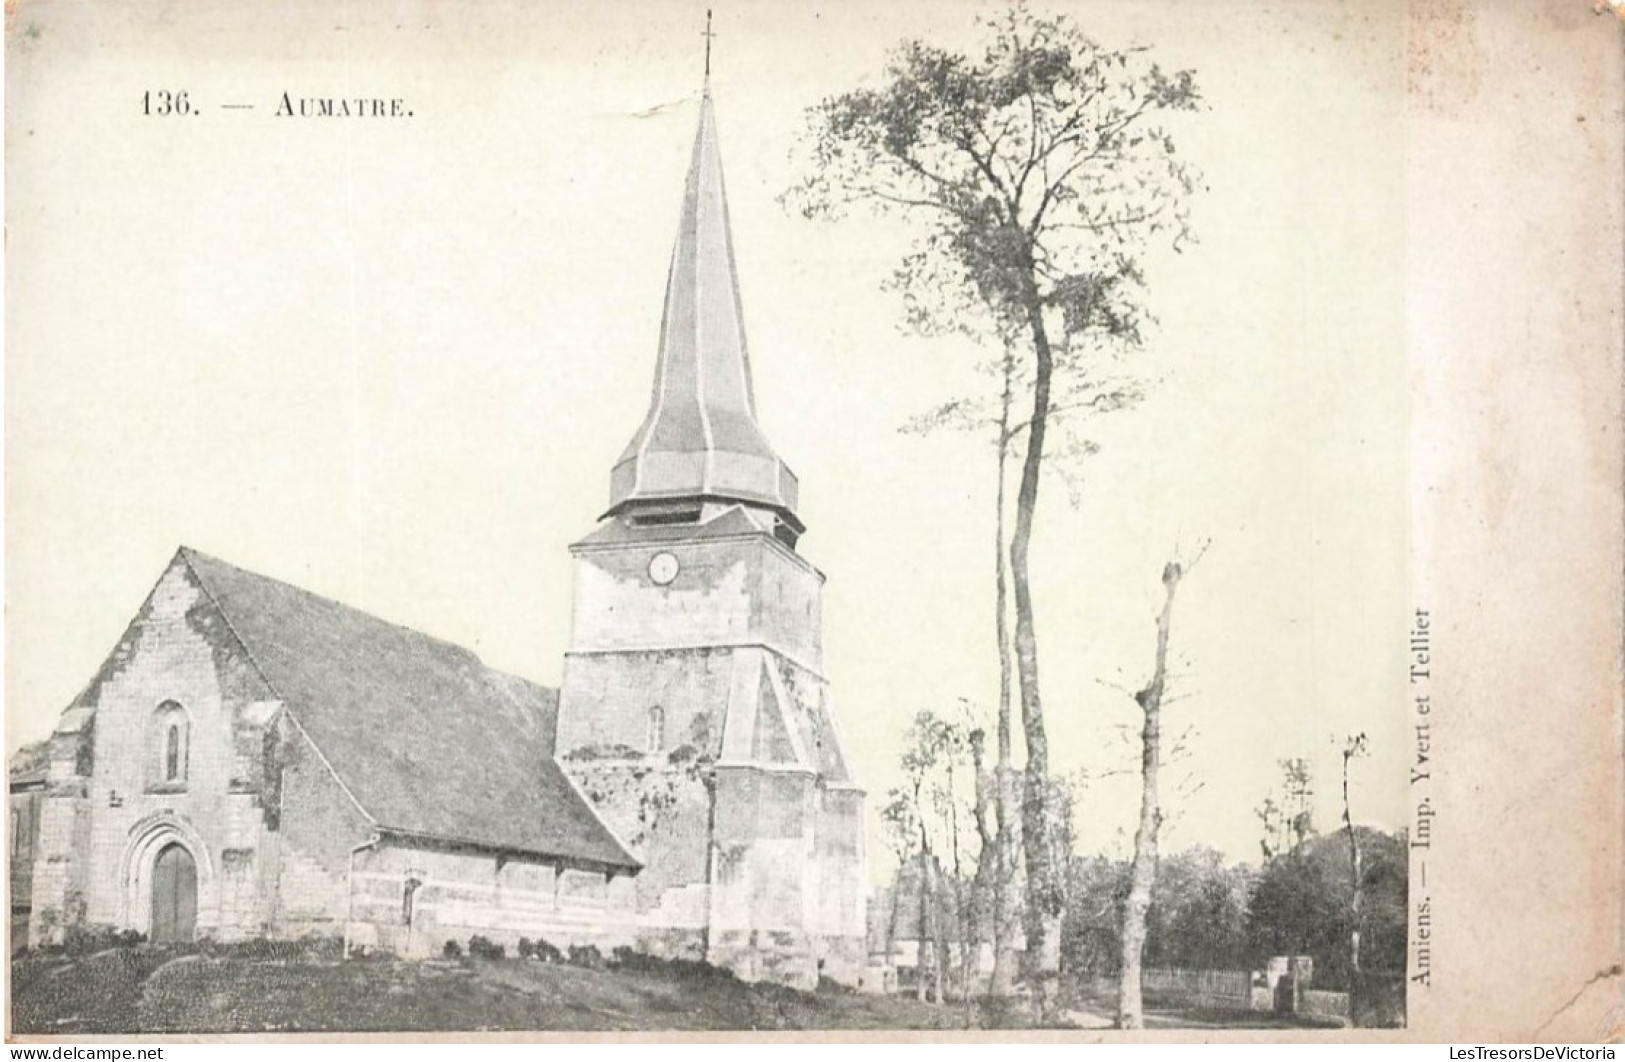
(663, 568)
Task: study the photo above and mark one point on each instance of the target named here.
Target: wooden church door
(174, 896)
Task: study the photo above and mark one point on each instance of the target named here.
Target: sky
(392, 361)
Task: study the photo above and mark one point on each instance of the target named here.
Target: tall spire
(700, 440)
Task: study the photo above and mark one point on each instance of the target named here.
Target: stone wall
(750, 859)
(413, 899)
(661, 810)
(319, 827)
(109, 807)
(840, 915)
(607, 698)
(731, 591)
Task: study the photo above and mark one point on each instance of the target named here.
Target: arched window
(172, 752)
(657, 729)
(170, 745)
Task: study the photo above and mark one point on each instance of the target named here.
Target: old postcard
(1057, 519)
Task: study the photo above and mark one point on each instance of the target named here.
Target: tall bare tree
(1003, 864)
(1354, 748)
(1042, 175)
(1143, 873)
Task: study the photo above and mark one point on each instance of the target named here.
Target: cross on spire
(708, 35)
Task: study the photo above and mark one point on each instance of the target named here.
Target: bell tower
(694, 712)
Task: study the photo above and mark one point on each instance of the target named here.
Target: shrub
(481, 947)
(83, 940)
(304, 949)
(631, 959)
(586, 955)
(546, 952)
(452, 950)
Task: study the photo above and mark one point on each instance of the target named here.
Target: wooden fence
(1219, 987)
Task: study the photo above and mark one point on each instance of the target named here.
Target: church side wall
(412, 900)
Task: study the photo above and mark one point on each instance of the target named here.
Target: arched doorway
(174, 896)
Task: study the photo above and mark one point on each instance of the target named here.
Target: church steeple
(700, 441)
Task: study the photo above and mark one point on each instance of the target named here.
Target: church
(256, 761)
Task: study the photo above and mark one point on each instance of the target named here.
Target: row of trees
(1202, 912)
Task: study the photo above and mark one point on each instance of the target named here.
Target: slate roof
(429, 740)
(701, 437)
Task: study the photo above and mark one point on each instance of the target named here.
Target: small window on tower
(657, 729)
(409, 897)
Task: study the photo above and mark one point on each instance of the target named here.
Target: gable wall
(106, 790)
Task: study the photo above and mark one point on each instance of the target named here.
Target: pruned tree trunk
(961, 903)
(1044, 908)
(1355, 747)
(926, 937)
(1143, 876)
(1003, 863)
(985, 894)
